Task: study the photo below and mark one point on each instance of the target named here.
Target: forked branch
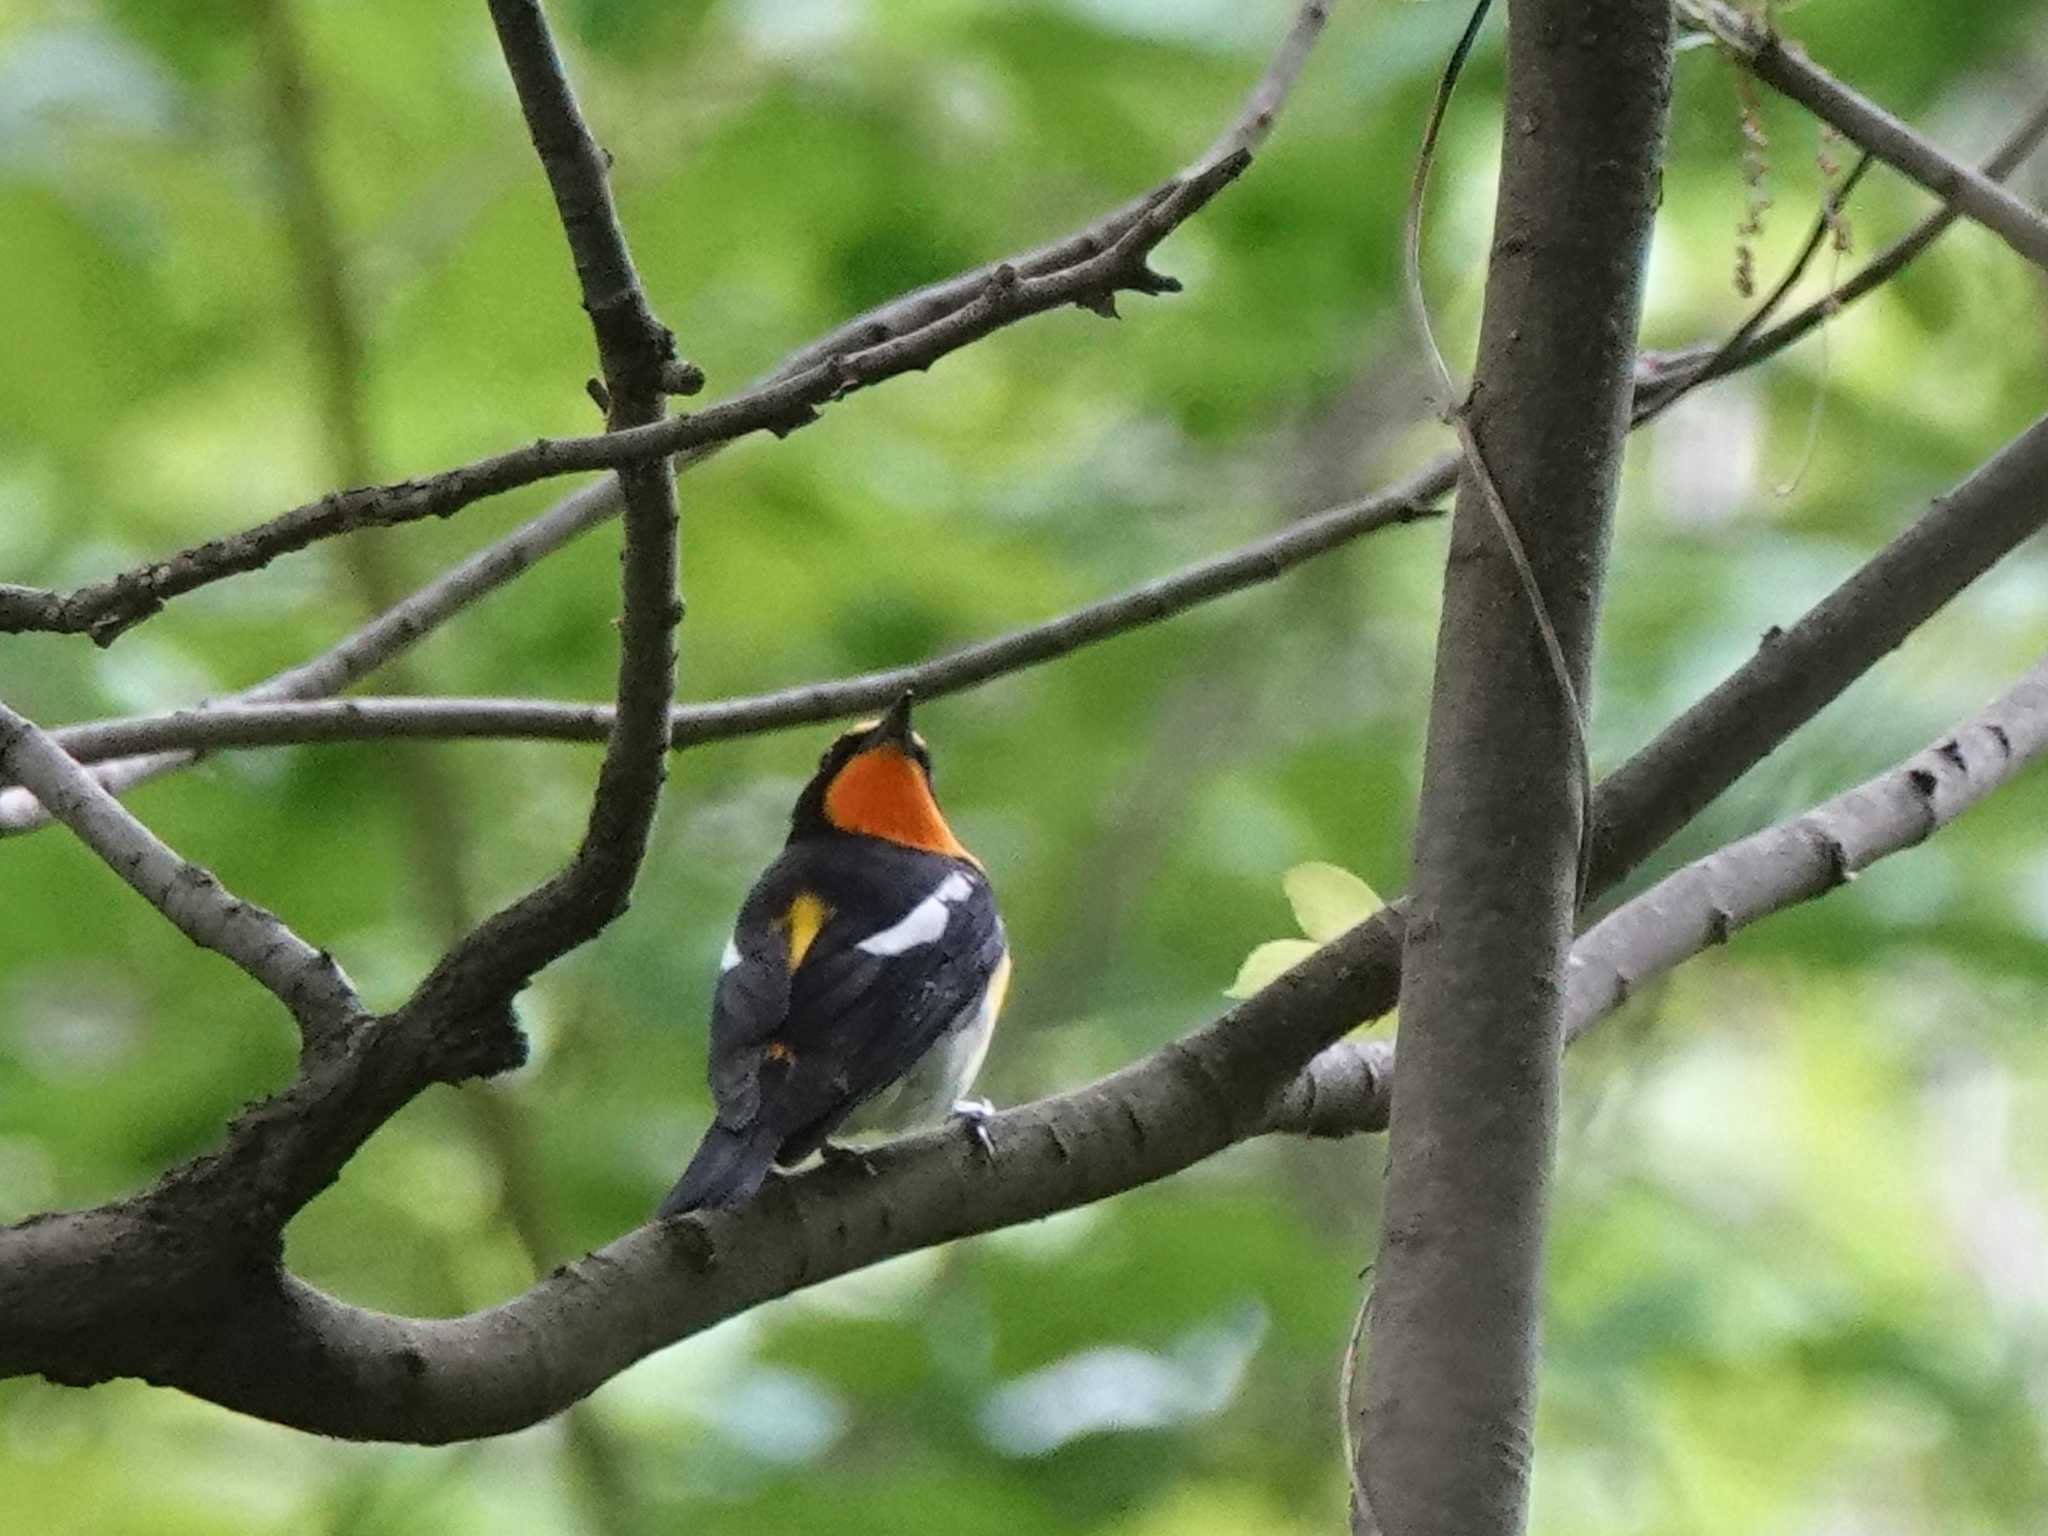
(393, 633)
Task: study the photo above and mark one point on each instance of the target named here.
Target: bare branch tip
(680, 376)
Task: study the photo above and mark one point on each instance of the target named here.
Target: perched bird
(863, 979)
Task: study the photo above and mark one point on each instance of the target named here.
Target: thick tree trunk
(1450, 1373)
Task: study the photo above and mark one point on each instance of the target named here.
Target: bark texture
(1450, 1380)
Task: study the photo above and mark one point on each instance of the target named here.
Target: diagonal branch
(1709, 901)
(306, 980)
(786, 402)
(1798, 670)
(1755, 338)
(1348, 1088)
(395, 632)
(351, 719)
(1864, 123)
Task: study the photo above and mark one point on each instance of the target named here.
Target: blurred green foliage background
(1799, 1278)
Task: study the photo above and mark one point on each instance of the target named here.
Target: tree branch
(478, 977)
(384, 639)
(359, 1374)
(1870, 127)
(1347, 1089)
(788, 401)
(244, 721)
(908, 333)
(306, 980)
(484, 572)
(1798, 670)
(1986, 521)
(1712, 899)
(353, 719)
(1754, 339)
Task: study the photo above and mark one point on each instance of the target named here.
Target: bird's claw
(975, 1115)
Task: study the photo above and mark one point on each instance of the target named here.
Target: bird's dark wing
(848, 964)
(859, 1020)
(751, 1000)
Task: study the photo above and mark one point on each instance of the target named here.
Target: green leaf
(1328, 900)
(1266, 962)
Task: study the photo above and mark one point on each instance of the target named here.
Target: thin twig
(1871, 128)
(354, 719)
(108, 609)
(306, 980)
(1652, 402)
(395, 632)
(1894, 258)
(1749, 343)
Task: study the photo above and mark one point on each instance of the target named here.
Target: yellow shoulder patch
(807, 914)
(998, 987)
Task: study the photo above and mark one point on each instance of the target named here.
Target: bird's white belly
(928, 1091)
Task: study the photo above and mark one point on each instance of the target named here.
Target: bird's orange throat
(882, 793)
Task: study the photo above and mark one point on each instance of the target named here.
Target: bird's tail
(727, 1169)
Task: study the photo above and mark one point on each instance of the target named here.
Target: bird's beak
(895, 725)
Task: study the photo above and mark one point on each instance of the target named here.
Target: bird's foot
(836, 1156)
(975, 1114)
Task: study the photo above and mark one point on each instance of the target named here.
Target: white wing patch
(730, 958)
(924, 923)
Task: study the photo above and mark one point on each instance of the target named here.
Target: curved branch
(306, 980)
(305, 1359)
